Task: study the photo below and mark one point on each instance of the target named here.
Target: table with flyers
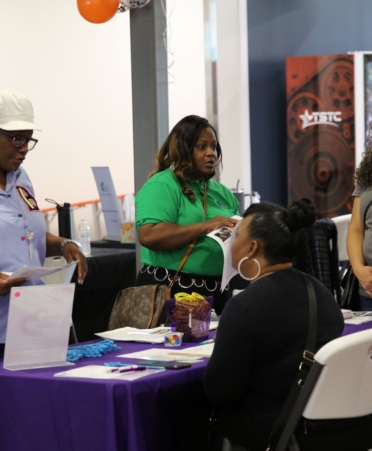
(41, 412)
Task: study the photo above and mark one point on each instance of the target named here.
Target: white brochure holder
(110, 205)
(38, 326)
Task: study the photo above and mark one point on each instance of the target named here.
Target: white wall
(187, 86)
(77, 75)
(233, 93)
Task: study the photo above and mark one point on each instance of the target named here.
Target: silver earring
(249, 278)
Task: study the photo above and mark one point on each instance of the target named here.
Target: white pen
(206, 342)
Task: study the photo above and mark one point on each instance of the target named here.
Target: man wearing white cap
(23, 236)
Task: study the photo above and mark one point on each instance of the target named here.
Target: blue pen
(117, 364)
(207, 342)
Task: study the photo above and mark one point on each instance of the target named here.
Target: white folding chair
(342, 224)
(339, 384)
(61, 276)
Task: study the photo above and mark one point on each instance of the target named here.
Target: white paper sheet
(196, 351)
(38, 271)
(105, 372)
(359, 318)
(161, 354)
(112, 212)
(223, 236)
(155, 335)
(347, 313)
(228, 271)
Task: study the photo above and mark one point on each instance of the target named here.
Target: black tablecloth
(110, 271)
(109, 244)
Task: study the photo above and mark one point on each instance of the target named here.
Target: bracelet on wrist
(75, 243)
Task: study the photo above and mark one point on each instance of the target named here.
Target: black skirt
(187, 283)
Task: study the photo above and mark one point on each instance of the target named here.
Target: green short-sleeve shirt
(161, 200)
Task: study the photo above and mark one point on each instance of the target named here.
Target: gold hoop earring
(249, 278)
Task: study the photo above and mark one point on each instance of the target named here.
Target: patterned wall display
(368, 92)
(320, 130)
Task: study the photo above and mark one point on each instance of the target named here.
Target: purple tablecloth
(44, 413)
(351, 329)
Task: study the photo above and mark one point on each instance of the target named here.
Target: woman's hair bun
(301, 214)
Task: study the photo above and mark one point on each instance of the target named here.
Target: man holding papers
(23, 237)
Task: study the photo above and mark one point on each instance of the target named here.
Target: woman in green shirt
(170, 213)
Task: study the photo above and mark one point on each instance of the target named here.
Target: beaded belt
(198, 283)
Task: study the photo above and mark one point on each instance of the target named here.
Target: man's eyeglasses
(20, 141)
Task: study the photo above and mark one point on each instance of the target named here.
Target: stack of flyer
(357, 317)
(347, 314)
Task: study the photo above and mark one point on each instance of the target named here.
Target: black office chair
(317, 255)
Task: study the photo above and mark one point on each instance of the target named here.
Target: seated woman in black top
(263, 330)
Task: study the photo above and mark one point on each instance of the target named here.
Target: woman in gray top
(359, 237)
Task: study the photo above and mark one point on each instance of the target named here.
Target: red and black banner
(320, 129)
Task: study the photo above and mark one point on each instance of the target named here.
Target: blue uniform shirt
(18, 213)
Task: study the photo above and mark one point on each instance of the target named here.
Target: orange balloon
(98, 11)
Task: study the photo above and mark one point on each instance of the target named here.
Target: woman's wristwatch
(75, 243)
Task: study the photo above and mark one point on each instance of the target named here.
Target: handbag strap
(190, 248)
(153, 299)
(305, 365)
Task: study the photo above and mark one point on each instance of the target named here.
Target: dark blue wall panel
(281, 28)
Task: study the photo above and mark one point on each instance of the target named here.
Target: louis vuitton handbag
(141, 307)
(144, 307)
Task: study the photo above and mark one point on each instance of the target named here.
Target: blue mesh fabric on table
(92, 350)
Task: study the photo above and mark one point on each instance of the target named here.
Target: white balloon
(131, 4)
(143, 3)
(122, 8)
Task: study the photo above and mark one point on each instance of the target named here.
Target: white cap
(16, 111)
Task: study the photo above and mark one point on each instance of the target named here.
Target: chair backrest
(338, 385)
(63, 276)
(323, 252)
(344, 387)
(342, 224)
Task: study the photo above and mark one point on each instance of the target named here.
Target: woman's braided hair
(278, 229)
